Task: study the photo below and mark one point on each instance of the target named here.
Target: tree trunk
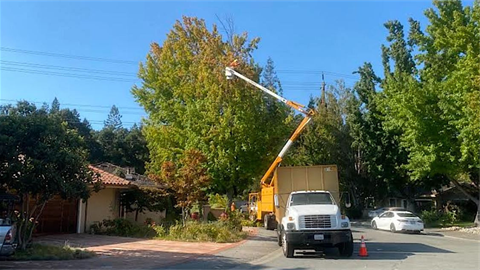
(476, 201)
(136, 215)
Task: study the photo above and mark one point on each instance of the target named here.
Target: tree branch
(457, 184)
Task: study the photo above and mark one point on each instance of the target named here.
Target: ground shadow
(381, 251)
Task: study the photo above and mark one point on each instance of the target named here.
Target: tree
(141, 199)
(114, 119)
(326, 140)
(379, 157)
(55, 106)
(435, 105)
(40, 158)
(186, 180)
(191, 105)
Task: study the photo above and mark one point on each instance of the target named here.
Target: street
(386, 251)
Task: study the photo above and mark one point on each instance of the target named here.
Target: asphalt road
(386, 251)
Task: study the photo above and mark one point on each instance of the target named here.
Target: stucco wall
(102, 205)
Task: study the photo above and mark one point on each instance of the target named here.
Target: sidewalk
(454, 234)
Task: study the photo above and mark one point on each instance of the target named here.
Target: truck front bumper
(307, 238)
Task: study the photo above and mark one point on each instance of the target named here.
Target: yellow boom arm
(230, 73)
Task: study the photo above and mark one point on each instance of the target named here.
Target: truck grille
(316, 222)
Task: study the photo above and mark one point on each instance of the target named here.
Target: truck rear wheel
(287, 248)
(269, 222)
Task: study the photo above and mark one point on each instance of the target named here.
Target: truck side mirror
(275, 200)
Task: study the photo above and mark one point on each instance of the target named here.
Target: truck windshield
(311, 198)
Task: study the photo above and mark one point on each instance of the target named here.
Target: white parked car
(378, 212)
(395, 221)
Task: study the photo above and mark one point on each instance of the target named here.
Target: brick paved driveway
(122, 252)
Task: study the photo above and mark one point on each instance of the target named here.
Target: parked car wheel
(392, 228)
(374, 225)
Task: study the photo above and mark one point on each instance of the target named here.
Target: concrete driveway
(122, 252)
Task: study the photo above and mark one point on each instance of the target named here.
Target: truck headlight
(290, 226)
(344, 224)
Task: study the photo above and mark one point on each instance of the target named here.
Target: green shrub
(433, 217)
(218, 201)
(233, 220)
(204, 232)
(430, 217)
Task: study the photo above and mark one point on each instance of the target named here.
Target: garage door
(59, 216)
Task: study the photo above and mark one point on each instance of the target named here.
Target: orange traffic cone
(363, 249)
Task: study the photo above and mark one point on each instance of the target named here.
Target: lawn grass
(47, 252)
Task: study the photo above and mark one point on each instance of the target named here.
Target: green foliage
(141, 199)
(45, 158)
(233, 220)
(205, 232)
(218, 201)
(191, 105)
(186, 180)
(47, 252)
(431, 104)
(124, 227)
(434, 218)
(114, 119)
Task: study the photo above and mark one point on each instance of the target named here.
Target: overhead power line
(86, 70)
(70, 75)
(70, 56)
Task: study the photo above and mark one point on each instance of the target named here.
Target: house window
(393, 203)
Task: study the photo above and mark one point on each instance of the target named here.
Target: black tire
(279, 239)
(269, 222)
(374, 225)
(287, 248)
(392, 228)
(346, 249)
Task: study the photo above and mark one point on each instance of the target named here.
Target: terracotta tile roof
(110, 179)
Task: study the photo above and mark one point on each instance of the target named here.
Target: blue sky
(301, 36)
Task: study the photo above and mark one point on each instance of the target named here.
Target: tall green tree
(114, 119)
(55, 108)
(378, 155)
(41, 158)
(191, 105)
(435, 104)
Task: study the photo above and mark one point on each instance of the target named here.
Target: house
(76, 216)
(139, 181)
(447, 196)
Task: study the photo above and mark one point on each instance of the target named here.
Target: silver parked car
(7, 226)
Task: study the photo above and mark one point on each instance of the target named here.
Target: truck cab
(313, 221)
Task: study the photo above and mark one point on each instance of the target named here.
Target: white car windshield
(311, 198)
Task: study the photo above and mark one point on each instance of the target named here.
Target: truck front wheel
(346, 249)
(288, 250)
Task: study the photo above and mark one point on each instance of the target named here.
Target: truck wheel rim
(284, 243)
